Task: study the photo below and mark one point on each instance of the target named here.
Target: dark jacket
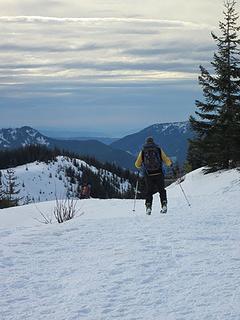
(140, 159)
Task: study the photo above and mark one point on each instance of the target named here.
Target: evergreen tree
(217, 125)
(11, 189)
(2, 196)
(1, 189)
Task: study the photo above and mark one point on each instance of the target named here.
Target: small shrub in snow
(65, 210)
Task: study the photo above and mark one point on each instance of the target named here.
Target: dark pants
(155, 184)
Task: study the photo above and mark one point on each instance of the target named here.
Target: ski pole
(184, 194)
(136, 190)
(179, 179)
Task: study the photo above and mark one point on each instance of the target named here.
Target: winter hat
(149, 140)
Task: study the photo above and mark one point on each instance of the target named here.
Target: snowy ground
(112, 264)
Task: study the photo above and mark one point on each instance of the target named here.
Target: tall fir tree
(1, 190)
(11, 189)
(217, 125)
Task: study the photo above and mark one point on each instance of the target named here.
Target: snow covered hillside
(111, 263)
(40, 181)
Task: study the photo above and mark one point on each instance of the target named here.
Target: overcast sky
(104, 66)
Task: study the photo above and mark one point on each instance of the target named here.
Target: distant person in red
(85, 191)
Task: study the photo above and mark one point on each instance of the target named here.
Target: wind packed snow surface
(111, 263)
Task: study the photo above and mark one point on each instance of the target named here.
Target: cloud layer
(128, 70)
(65, 48)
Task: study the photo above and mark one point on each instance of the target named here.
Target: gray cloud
(170, 49)
(96, 71)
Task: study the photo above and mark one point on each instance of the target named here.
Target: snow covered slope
(110, 263)
(40, 181)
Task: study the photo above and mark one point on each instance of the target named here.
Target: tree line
(216, 123)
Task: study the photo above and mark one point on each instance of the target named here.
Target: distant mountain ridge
(19, 137)
(172, 137)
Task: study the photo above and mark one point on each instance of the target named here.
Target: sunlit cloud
(137, 21)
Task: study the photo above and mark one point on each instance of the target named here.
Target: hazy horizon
(78, 133)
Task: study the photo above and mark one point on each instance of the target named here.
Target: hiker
(150, 158)
(85, 191)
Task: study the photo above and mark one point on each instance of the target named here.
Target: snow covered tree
(217, 125)
(11, 188)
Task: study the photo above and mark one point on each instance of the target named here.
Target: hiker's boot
(164, 207)
(148, 208)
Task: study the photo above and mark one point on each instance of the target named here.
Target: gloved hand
(141, 173)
